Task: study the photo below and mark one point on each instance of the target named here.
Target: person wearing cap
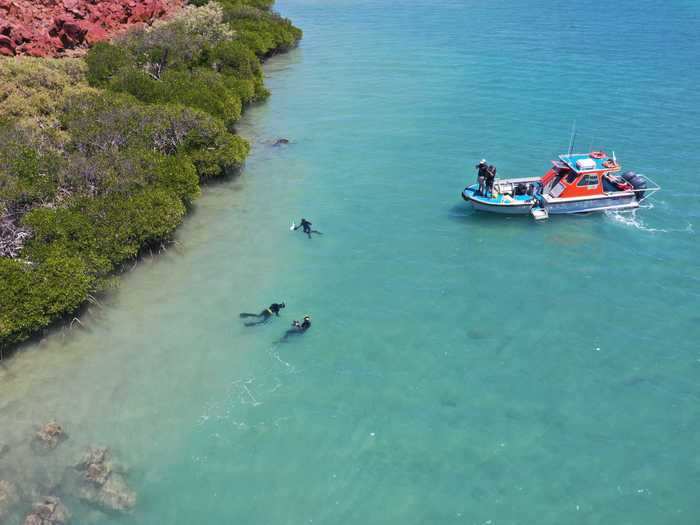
(481, 177)
(266, 314)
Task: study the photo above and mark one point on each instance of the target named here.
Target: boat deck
(500, 199)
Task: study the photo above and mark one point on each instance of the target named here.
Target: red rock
(7, 46)
(35, 50)
(73, 31)
(49, 27)
(140, 14)
(95, 33)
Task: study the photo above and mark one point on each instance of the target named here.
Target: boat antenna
(573, 138)
(614, 159)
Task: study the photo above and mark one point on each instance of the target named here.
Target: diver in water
(306, 225)
(297, 328)
(265, 315)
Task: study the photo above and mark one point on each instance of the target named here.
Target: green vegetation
(100, 158)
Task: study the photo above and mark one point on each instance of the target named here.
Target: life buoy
(598, 155)
(609, 163)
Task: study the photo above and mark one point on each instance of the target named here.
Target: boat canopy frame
(648, 191)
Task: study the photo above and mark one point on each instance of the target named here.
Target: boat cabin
(579, 175)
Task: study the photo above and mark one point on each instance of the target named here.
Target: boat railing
(506, 185)
(649, 190)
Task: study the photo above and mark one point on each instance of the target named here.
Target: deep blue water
(461, 368)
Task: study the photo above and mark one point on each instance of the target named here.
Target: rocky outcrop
(101, 484)
(54, 27)
(9, 497)
(50, 511)
(49, 436)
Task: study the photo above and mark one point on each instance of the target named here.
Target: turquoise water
(461, 368)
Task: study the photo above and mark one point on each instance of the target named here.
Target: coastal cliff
(102, 155)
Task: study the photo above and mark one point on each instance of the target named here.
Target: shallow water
(462, 368)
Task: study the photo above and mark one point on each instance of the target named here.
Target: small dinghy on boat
(576, 183)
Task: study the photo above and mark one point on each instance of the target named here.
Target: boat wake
(630, 219)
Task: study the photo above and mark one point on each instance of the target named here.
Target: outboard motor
(637, 181)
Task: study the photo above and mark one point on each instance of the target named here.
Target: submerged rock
(50, 511)
(101, 485)
(114, 494)
(9, 497)
(50, 435)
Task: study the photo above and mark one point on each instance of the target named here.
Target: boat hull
(504, 210)
(623, 201)
(490, 205)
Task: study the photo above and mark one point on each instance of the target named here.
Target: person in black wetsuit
(481, 176)
(306, 225)
(490, 177)
(297, 328)
(265, 315)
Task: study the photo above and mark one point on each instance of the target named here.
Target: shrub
(179, 42)
(265, 33)
(104, 231)
(140, 84)
(35, 87)
(259, 4)
(33, 297)
(224, 158)
(178, 175)
(104, 61)
(28, 169)
(203, 89)
(234, 58)
(105, 121)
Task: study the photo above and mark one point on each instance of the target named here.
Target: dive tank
(637, 181)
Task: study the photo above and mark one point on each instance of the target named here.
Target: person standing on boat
(481, 176)
(490, 177)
